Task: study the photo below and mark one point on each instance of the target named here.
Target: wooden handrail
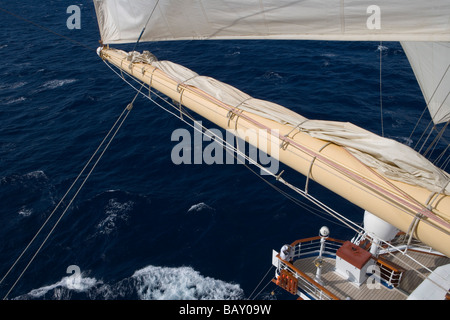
(389, 264)
(314, 238)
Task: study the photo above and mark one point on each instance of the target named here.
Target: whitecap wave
(13, 101)
(199, 206)
(38, 174)
(149, 283)
(328, 55)
(116, 213)
(183, 283)
(61, 289)
(15, 85)
(53, 84)
(25, 212)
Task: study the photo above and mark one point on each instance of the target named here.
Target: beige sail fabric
(391, 158)
(121, 21)
(431, 64)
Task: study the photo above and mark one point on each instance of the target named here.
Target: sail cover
(122, 21)
(431, 64)
(395, 160)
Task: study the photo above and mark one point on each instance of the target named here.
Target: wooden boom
(326, 163)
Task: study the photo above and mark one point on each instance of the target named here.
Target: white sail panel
(122, 21)
(431, 64)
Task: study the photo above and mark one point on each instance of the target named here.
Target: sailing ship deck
(344, 289)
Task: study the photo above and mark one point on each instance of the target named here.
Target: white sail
(431, 64)
(122, 21)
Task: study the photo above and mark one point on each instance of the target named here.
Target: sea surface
(143, 227)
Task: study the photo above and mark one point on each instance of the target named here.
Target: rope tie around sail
(312, 164)
(410, 202)
(284, 144)
(412, 228)
(231, 115)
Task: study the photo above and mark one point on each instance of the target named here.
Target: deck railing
(310, 247)
(390, 272)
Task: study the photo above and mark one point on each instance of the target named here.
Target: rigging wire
(129, 108)
(145, 26)
(114, 130)
(436, 140)
(359, 229)
(304, 194)
(264, 277)
(381, 88)
(355, 184)
(426, 107)
(345, 221)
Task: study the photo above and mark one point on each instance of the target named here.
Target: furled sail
(431, 64)
(329, 164)
(122, 21)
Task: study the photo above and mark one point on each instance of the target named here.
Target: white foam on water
(182, 283)
(149, 283)
(74, 282)
(53, 84)
(199, 206)
(116, 212)
(25, 212)
(38, 174)
(14, 85)
(13, 101)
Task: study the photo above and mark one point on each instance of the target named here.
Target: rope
(237, 151)
(381, 89)
(260, 283)
(145, 26)
(435, 141)
(375, 189)
(328, 210)
(426, 107)
(122, 119)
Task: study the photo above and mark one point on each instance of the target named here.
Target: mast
(401, 204)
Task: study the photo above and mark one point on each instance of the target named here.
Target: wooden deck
(415, 273)
(344, 289)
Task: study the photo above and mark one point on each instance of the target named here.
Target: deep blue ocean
(143, 227)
